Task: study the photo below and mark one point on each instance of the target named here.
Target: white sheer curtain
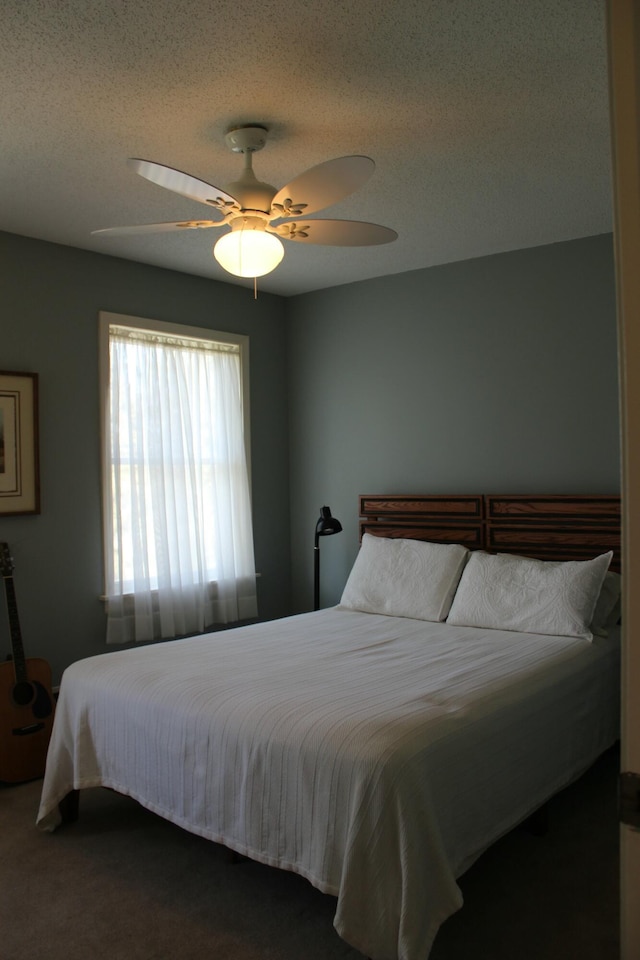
(178, 532)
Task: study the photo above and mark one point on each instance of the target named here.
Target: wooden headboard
(548, 527)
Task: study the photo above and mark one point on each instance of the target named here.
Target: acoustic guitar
(26, 701)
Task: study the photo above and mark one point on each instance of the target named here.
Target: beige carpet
(121, 884)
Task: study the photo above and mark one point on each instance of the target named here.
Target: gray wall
(50, 298)
(495, 375)
(492, 375)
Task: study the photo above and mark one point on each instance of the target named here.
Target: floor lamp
(325, 526)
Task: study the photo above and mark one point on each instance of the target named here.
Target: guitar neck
(16, 635)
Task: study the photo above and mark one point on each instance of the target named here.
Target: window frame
(107, 319)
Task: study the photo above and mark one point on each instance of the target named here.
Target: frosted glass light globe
(248, 252)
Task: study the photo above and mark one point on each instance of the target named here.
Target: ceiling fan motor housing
(252, 194)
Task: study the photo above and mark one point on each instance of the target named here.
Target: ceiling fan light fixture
(259, 214)
(248, 250)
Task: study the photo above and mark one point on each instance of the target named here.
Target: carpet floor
(122, 884)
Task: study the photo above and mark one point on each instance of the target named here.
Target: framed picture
(19, 469)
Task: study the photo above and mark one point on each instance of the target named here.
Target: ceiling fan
(256, 216)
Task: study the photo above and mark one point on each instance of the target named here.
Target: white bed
(375, 755)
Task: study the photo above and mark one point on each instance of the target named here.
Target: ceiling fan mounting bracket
(247, 139)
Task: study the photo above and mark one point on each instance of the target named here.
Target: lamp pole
(325, 526)
(316, 574)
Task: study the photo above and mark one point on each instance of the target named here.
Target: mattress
(376, 756)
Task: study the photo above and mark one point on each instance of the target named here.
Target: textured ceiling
(487, 120)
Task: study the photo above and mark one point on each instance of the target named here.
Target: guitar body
(26, 719)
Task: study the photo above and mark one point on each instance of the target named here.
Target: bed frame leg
(234, 857)
(69, 807)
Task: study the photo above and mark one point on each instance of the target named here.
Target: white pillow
(607, 611)
(404, 578)
(507, 592)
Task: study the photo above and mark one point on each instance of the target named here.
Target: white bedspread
(375, 756)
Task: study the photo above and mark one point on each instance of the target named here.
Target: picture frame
(19, 456)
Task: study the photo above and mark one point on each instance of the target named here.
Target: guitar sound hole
(23, 693)
(42, 705)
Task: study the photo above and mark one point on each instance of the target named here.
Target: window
(178, 540)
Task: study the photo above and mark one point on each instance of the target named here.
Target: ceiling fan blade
(160, 227)
(338, 233)
(184, 184)
(322, 186)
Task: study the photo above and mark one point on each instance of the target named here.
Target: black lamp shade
(327, 524)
